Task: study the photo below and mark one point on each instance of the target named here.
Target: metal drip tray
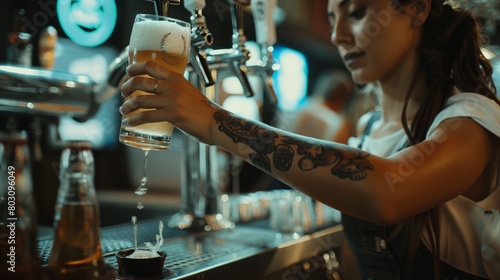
(188, 253)
(191, 254)
(195, 253)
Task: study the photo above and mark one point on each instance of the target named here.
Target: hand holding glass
(166, 41)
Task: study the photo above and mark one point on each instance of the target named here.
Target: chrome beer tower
(202, 179)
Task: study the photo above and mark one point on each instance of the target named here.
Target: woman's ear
(419, 11)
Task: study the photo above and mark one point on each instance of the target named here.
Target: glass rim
(166, 18)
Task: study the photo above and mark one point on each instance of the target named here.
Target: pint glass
(166, 41)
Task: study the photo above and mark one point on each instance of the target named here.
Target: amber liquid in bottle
(76, 245)
(76, 252)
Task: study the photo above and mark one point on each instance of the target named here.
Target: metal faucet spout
(200, 39)
(165, 4)
(240, 71)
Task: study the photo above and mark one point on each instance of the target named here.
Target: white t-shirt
(469, 231)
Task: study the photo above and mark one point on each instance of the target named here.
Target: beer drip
(18, 221)
(142, 189)
(76, 253)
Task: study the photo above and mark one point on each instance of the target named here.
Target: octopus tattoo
(346, 163)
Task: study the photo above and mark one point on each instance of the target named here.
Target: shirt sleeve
(481, 109)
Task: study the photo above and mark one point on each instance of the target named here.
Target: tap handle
(199, 62)
(237, 13)
(241, 73)
(269, 88)
(263, 11)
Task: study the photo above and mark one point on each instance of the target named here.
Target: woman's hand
(175, 99)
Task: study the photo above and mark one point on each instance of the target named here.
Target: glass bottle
(19, 48)
(47, 47)
(19, 258)
(76, 252)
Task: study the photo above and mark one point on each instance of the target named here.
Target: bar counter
(249, 251)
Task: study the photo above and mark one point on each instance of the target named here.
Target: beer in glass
(166, 41)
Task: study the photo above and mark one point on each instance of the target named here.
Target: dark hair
(450, 56)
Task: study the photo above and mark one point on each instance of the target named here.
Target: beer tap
(235, 57)
(265, 29)
(161, 6)
(200, 188)
(201, 38)
(239, 40)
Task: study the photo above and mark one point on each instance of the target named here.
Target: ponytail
(450, 56)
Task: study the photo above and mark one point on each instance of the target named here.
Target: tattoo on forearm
(345, 162)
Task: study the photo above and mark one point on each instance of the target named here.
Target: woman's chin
(360, 77)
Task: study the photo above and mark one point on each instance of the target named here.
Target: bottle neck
(76, 175)
(77, 188)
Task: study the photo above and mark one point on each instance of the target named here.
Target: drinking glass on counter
(292, 212)
(166, 41)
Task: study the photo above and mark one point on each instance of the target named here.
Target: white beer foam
(148, 35)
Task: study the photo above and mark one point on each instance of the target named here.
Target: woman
(419, 189)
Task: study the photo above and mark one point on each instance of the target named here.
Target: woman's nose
(340, 33)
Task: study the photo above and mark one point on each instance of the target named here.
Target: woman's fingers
(142, 101)
(150, 68)
(141, 83)
(170, 98)
(139, 79)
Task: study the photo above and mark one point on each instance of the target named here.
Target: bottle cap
(79, 145)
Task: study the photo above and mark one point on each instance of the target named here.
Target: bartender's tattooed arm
(345, 162)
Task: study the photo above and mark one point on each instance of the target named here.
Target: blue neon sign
(87, 22)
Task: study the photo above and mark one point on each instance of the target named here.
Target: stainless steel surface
(116, 76)
(200, 188)
(34, 91)
(209, 222)
(247, 252)
(35, 99)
